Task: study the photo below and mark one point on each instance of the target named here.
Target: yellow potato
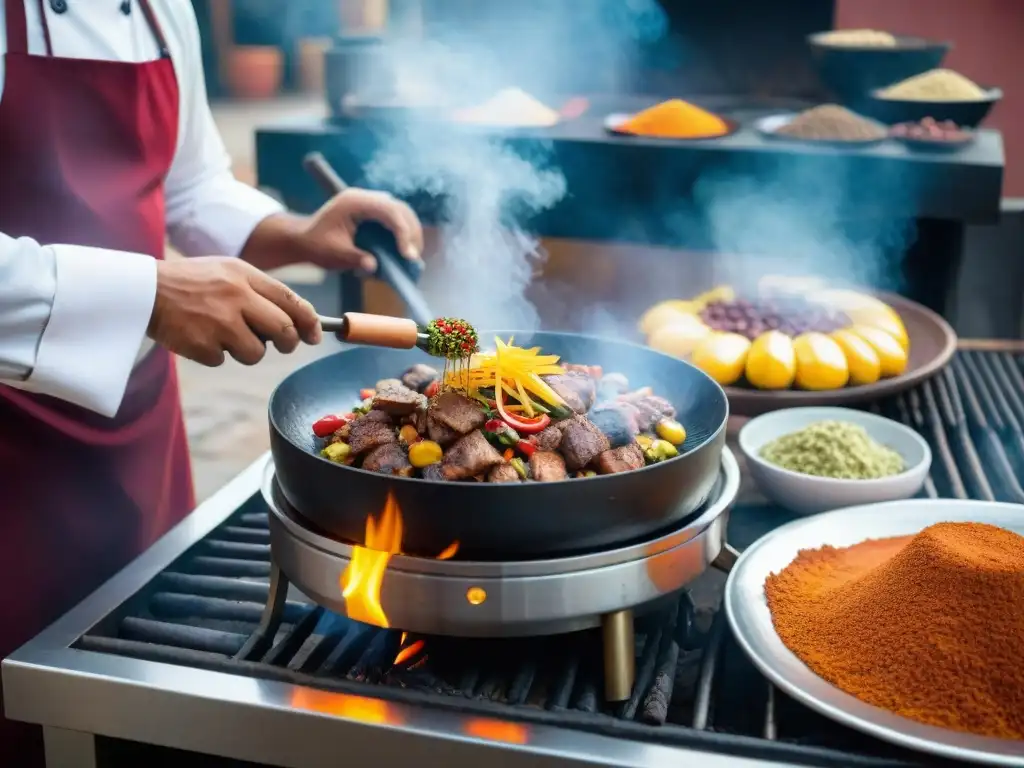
(892, 356)
(722, 356)
(863, 309)
(665, 313)
(861, 357)
(679, 338)
(820, 362)
(771, 363)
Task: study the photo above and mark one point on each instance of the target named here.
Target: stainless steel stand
(69, 749)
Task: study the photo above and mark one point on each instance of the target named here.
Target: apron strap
(17, 26)
(154, 26)
(46, 30)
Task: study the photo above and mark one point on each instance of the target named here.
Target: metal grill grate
(694, 686)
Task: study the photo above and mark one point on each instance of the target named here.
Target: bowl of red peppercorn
(931, 135)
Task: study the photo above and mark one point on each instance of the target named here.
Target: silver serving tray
(752, 624)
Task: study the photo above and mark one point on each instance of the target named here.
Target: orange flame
(408, 652)
(362, 579)
(449, 552)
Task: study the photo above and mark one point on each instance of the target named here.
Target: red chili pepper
(528, 425)
(328, 425)
(366, 394)
(508, 454)
(528, 447)
(494, 425)
(432, 388)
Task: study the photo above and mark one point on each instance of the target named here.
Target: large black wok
(498, 521)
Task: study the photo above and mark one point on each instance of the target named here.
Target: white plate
(751, 620)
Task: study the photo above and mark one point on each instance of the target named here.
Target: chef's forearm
(72, 319)
(277, 241)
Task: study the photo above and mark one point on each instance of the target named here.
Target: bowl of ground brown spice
(904, 620)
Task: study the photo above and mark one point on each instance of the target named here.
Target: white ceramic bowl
(809, 494)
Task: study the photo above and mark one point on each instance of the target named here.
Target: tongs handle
(377, 239)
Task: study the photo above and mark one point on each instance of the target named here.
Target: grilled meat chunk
(365, 434)
(471, 455)
(652, 409)
(581, 442)
(382, 417)
(547, 466)
(457, 412)
(549, 439)
(432, 472)
(388, 459)
(419, 376)
(503, 473)
(397, 399)
(617, 421)
(577, 389)
(621, 459)
(438, 432)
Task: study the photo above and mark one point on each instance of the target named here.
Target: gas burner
(507, 598)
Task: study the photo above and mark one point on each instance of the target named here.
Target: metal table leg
(69, 749)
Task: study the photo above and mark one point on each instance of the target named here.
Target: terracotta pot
(254, 71)
(311, 63)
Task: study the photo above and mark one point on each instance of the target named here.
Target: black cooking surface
(694, 686)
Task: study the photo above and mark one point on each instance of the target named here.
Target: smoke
(490, 189)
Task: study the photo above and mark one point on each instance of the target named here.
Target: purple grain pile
(792, 316)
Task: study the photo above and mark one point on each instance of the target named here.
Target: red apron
(84, 149)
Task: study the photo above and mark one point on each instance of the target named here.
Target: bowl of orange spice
(672, 119)
(902, 620)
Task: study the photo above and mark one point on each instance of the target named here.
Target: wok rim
(709, 440)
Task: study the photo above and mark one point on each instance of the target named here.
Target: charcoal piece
(492, 688)
(377, 658)
(659, 697)
(687, 672)
(419, 679)
(521, 684)
(561, 690)
(468, 681)
(180, 636)
(586, 701)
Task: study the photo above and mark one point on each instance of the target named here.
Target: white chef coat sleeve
(209, 212)
(72, 319)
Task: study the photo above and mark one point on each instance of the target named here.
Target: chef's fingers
(396, 216)
(242, 343)
(271, 323)
(301, 312)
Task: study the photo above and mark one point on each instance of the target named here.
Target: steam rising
(490, 188)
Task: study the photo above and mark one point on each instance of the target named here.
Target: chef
(108, 147)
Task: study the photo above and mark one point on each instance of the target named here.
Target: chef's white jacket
(73, 319)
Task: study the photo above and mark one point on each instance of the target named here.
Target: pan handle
(377, 239)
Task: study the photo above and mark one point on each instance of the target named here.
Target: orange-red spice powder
(930, 626)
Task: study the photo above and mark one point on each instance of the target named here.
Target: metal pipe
(619, 655)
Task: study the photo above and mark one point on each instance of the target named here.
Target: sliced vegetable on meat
(508, 416)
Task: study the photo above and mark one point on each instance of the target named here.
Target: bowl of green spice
(812, 460)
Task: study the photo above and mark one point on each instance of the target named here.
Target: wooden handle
(379, 330)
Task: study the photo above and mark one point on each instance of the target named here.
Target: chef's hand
(330, 232)
(210, 306)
